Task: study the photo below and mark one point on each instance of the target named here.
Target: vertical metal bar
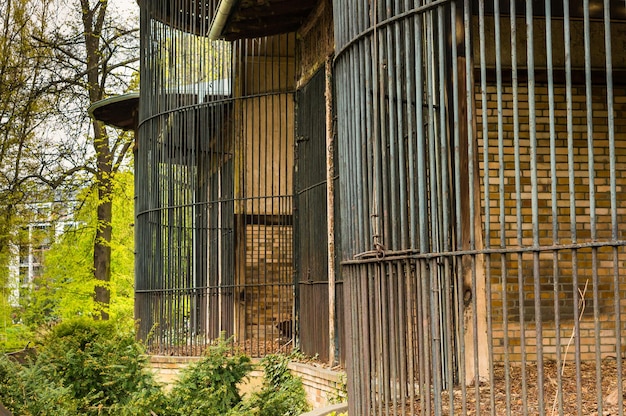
(532, 127)
(447, 321)
(330, 210)
(455, 19)
(424, 373)
(558, 398)
(430, 203)
(501, 202)
(592, 198)
(613, 197)
(486, 194)
(518, 204)
(471, 170)
(572, 199)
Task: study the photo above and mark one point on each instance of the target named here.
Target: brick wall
(512, 275)
(269, 280)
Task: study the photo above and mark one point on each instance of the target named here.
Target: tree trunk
(102, 241)
(93, 20)
(102, 255)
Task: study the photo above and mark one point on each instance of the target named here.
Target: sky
(126, 4)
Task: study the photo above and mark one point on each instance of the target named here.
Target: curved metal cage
(214, 185)
(481, 147)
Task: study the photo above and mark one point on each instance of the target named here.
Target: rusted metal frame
(330, 209)
(191, 289)
(572, 199)
(613, 197)
(191, 107)
(413, 254)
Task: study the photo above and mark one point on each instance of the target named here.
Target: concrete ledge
(323, 411)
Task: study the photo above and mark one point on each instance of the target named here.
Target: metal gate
(481, 148)
(214, 185)
(311, 241)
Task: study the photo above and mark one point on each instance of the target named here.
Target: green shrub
(26, 390)
(102, 365)
(282, 393)
(86, 367)
(209, 387)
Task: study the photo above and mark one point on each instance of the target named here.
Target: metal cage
(481, 170)
(214, 185)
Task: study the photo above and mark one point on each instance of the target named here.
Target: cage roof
(118, 111)
(237, 19)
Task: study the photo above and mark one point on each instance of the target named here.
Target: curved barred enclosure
(214, 185)
(482, 169)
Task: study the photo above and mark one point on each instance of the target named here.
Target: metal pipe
(220, 18)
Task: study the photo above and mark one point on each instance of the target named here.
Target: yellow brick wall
(268, 296)
(511, 273)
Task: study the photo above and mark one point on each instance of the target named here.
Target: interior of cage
(215, 165)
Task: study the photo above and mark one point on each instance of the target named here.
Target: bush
(26, 390)
(209, 387)
(282, 393)
(86, 367)
(82, 367)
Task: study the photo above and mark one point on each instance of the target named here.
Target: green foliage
(209, 387)
(27, 390)
(17, 335)
(66, 288)
(87, 367)
(101, 364)
(282, 393)
(341, 396)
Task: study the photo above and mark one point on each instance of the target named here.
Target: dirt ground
(575, 398)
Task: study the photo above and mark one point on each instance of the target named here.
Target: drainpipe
(221, 17)
(330, 207)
